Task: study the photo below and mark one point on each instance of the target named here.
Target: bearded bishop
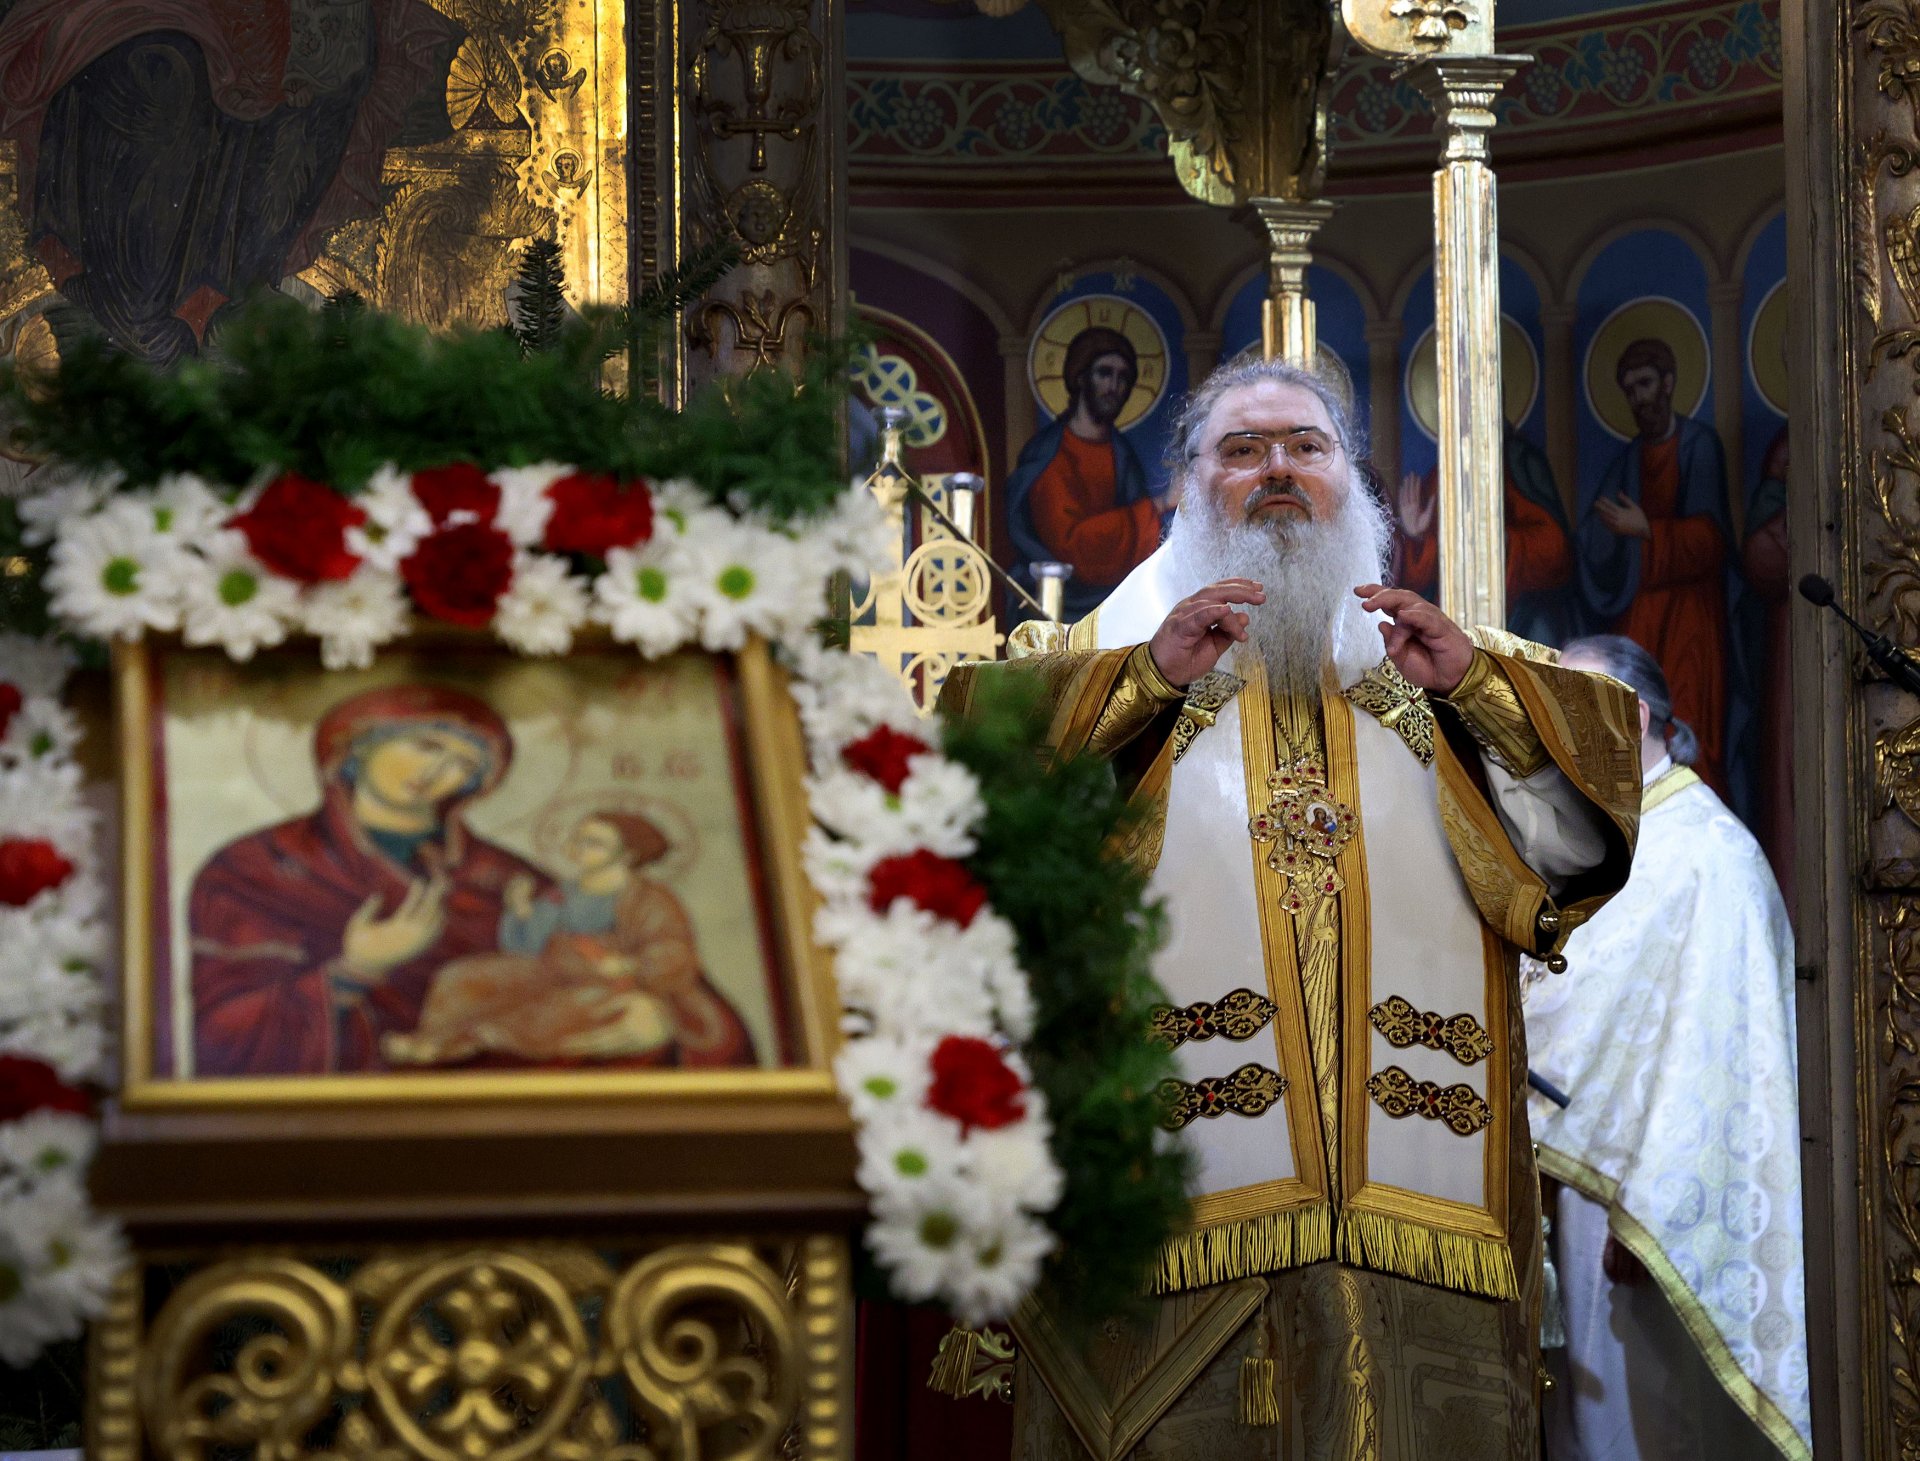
(1353, 849)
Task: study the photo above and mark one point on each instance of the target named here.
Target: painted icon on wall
(1081, 492)
(1655, 526)
(456, 861)
(1540, 605)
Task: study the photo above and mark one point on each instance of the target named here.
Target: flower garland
(953, 1137)
(56, 1258)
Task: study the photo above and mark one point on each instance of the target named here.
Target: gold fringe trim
(1456, 1261)
(1245, 1247)
(953, 1362)
(1259, 1406)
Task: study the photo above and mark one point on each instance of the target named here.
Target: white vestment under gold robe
(1347, 883)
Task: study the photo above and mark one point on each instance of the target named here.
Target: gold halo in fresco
(1047, 355)
(1650, 318)
(1519, 377)
(1767, 349)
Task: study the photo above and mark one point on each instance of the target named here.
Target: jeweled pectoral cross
(1308, 829)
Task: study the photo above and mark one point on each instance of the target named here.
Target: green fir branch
(1086, 933)
(540, 299)
(335, 393)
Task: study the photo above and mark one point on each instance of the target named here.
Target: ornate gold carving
(1206, 697)
(1899, 925)
(1433, 22)
(707, 1344)
(974, 1362)
(1241, 89)
(760, 174)
(1249, 1091)
(532, 134)
(695, 1350)
(1459, 1107)
(930, 609)
(1404, 1024)
(1308, 829)
(1399, 705)
(1238, 1016)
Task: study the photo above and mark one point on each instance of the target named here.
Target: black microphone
(1895, 661)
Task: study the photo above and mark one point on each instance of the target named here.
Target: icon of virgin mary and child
(379, 932)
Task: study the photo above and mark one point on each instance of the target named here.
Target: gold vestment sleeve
(1588, 726)
(1487, 703)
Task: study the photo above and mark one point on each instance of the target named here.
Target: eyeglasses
(1309, 449)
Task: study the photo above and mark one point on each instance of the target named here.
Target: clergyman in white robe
(1672, 1035)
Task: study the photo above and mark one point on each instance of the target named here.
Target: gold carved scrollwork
(760, 175)
(278, 1383)
(1240, 88)
(1899, 926)
(708, 1346)
(702, 1351)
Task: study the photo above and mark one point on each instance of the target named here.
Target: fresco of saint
(1540, 606)
(1079, 493)
(1652, 548)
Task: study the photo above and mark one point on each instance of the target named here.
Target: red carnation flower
(10, 702)
(938, 884)
(298, 528)
(883, 754)
(593, 513)
(973, 1084)
(28, 1085)
(459, 573)
(462, 487)
(28, 867)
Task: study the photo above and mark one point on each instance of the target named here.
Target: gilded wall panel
(697, 1350)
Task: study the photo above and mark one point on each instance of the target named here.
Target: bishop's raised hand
(1201, 628)
(1424, 644)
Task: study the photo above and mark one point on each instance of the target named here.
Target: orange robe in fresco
(1680, 613)
(1538, 554)
(1074, 509)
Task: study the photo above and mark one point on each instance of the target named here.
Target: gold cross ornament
(1308, 829)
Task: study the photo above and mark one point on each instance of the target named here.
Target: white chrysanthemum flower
(73, 1046)
(920, 1237)
(682, 510)
(46, 1144)
(355, 616)
(856, 533)
(39, 989)
(908, 1147)
(396, 522)
(40, 728)
(114, 574)
(544, 605)
(741, 578)
(31, 1316)
(940, 805)
(838, 871)
(33, 666)
(81, 1253)
(186, 509)
(229, 598)
(524, 505)
(911, 973)
(45, 510)
(645, 596)
(41, 799)
(842, 697)
(880, 1073)
(997, 1266)
(1015, 1163)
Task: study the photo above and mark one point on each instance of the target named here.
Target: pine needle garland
(1086, 934)
(333, 394)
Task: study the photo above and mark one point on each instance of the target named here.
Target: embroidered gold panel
(486, 1352)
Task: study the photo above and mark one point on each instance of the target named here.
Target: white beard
(1311, 621)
